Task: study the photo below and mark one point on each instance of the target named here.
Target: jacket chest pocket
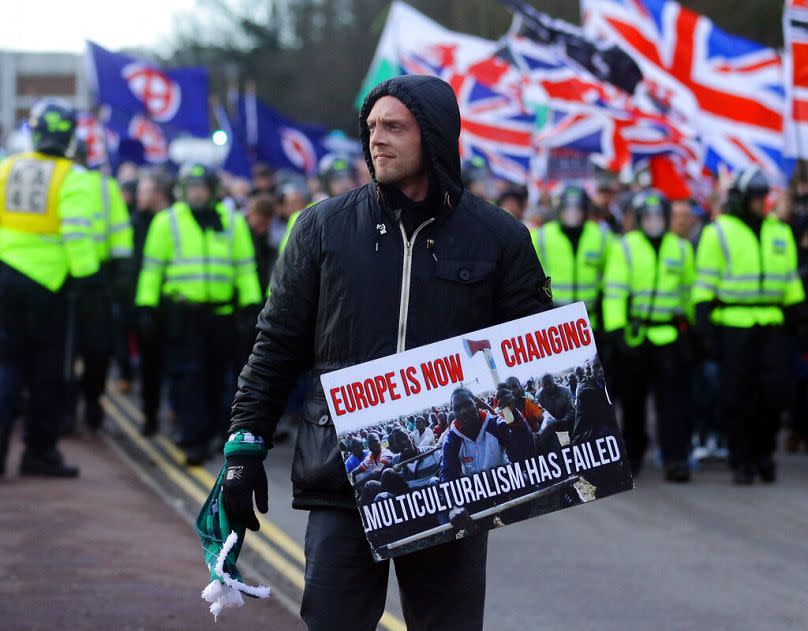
(672, 268)
(464, 273)
(593, 259)
(464, 284)
(218, 245)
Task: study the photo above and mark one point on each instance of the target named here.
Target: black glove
(505, 397)
(245, 475)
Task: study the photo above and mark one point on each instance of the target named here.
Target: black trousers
(441, 588)
(661, 371)
(755, 389)
(152, 359)
(124, 326)
(33, 333)
(96, 340)
(199, 356)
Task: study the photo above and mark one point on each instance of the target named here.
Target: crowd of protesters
(269, 199)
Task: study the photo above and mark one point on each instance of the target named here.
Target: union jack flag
(591, 115)
(494, 124)
(728, 88)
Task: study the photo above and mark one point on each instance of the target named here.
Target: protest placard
(433, 456)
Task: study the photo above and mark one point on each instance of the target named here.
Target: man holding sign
(409, 259)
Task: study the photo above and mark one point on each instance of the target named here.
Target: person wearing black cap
(409, 259)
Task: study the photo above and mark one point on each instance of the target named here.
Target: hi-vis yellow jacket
(45, 224)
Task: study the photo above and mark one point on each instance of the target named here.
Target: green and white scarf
(222, 540)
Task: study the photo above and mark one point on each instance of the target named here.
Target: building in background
(26, 77)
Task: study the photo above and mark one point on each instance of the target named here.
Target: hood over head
(432, 101)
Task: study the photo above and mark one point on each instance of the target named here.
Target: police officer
(112, 235)
(747, 289)
(336, 174)
(199, 267)
(478, 178)
(646, 305)
(45, 239)
(572, 250)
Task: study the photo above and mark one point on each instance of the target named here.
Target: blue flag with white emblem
(176, 98)
(280, 141)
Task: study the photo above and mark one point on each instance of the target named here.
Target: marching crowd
(701, 306)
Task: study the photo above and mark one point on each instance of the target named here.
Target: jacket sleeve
(709, 266)
(284, 346)
(795, 291)
(688, 278)
(450, 463)
(282, 246)
(524, 288)
(615, 288)
(157, 252)
(75, 226)
(249, 289)
(120, 227)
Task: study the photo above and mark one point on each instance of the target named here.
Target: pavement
(105, 552)
(707, 555)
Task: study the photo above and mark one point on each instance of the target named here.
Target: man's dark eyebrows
(387, 120)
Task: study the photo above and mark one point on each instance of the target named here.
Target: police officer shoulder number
(27, 186)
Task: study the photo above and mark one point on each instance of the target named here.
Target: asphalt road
(706, 555)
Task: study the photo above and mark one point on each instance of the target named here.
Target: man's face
(340, 184)
(356, 448)
(259, 223)
(145, 194)
(197, 194)
(757, 206)
(263, 181)
(512, 383)
(291, 203)
(399, 441)
(394, 443)
(465, 409)
(514, 207)
(420, 424)
(374, 444)
(604, 197)
(682, 219)
(483, 187)
(395, 142)
(547, 382)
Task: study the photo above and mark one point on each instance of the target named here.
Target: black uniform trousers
(199, 357)
(755, 389)
(33, 334)
(660, 370)
(152, 352)
(96, 336)
(441, 588)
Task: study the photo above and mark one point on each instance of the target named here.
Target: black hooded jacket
(352, 286)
